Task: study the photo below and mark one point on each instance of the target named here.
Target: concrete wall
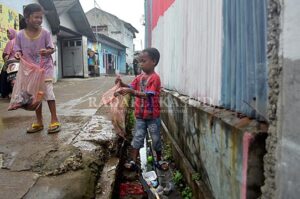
(226, 150)
(288, 175)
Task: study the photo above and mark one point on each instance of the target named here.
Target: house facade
(111, 55)
(72, 38)
(109, 25)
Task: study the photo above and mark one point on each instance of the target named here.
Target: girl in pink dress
(35, 45)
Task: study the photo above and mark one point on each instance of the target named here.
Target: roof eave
(86, 30)
(51, 15)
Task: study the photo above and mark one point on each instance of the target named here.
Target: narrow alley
(212, 85)
(32, 164)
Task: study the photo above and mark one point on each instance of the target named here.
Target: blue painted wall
(106, 49)
(244, 79)
(121, 66)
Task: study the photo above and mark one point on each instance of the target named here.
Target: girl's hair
(31, 8)
(28, 10)
(153, 54)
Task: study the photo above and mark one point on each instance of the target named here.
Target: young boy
(146, 89)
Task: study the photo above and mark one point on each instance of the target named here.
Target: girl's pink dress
(30, 48)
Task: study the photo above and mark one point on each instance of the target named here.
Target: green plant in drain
(177, 177)
(187, 193)
(168, 152)
(196, 177)
(130, 118)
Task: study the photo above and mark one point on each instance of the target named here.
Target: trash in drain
(149, 176)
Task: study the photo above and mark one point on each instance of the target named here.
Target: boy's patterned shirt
(147, 108)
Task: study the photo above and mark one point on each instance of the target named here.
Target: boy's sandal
(35, 128)
(54, 127)
(131, 165)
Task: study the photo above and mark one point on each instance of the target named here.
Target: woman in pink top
(35, 45)
(8, 54)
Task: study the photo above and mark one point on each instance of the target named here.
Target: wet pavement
(63, 165)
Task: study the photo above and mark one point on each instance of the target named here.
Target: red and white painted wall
(188, 35)
(214, 53)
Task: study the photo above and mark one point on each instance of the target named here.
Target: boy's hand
(18, 55)
(124, 91)
(120, 82)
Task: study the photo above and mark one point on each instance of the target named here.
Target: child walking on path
(35, 45)
(146, 89)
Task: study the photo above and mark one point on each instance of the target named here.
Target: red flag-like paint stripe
(159, 7)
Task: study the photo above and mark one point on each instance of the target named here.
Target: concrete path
(63, 165)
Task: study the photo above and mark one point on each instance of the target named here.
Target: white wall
(128, 41)
(66, 21)
(191, 47)
(85, 58)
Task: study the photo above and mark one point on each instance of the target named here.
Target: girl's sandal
(35, 128)
(54, 127)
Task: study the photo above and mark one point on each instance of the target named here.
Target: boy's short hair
(153, 54)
